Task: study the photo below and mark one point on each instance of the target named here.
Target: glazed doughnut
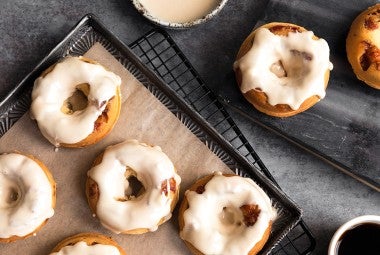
(132, 187)
(76, 102)
(86, 244)
(225, 214)
(363, 46)
(27, 196)
(282, 69)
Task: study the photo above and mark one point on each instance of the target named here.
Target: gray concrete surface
(30, 29)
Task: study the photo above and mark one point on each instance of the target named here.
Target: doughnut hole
(10, 193)
(278, 69)
(77, 101)
(234, 220)
(133, 188)
(231, 219)
(293, 66)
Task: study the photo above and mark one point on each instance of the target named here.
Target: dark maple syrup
(363, 239)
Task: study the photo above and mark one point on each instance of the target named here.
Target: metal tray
(344, 127)
(89, 31)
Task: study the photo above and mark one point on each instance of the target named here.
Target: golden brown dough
(363, 46)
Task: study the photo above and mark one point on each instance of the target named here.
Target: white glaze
(152, 166)
(81, 248)
(50, 92)
(211, 231)
(305, 77)
(179, 11)
(24, 176)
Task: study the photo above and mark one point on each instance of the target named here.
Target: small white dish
(140, 8)
(339, 234)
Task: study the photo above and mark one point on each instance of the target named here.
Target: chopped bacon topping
(200, 189)
(93, 190)
(370, 56)
(250, 214)
(283, 30)
(103, 118)
(171, 183)
(370, 23)
(97, 125)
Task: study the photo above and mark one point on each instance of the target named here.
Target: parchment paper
(142, 117)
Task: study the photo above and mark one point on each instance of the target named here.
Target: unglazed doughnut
(76, 102)
(88, 244)
(132, 187)
(363, 46)
(225, 214)
(282, 69)
(27, 196)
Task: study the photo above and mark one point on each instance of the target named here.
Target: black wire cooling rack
(159, 52)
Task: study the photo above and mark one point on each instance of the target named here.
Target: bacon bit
(282, 29)
(370, 56)
(374, 54)
(93, 190)
(103, 118)
(97, 124)
(200, 189)
(105, 115)
(164, 186)
(370, 23)
(250, 214)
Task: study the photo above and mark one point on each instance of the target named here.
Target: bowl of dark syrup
(360, 235)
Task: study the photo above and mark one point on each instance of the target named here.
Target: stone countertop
(29, 29)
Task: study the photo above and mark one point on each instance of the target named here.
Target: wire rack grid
(160, 53)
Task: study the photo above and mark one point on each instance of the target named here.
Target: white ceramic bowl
(349, 225)
(140, 8)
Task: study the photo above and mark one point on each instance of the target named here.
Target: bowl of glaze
(179, 13)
